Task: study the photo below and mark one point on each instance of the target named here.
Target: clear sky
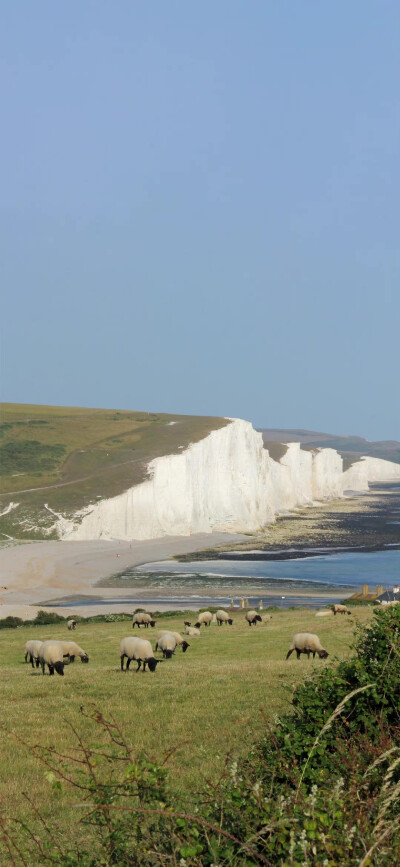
(200, 208)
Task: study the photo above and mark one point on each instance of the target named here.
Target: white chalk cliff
(368, 469)
(225, 482)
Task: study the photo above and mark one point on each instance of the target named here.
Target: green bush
(45, 618)
(11, 622)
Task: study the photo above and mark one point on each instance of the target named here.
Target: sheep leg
(72, 658)
(26, 656)
(31, 661)
(308, 653)
(128, 662)
(122, 661)
(298, 653)
(138, 664)
(43, 664)
(51, 669)
(144, 665)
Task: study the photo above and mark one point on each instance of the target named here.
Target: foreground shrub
(321, 789)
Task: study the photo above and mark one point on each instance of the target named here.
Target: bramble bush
(321, 788)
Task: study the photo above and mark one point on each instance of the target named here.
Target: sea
(312, 581)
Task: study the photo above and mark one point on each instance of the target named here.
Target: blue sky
(199, 209)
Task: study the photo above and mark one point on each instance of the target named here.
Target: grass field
(71, 456)
(208, 701)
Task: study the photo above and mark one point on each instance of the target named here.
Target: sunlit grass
(206, 702)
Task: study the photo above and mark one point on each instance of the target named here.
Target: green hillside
(68, 457)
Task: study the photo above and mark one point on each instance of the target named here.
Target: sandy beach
(32, 573)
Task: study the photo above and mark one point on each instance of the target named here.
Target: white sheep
(142, 618)
(32, 650)
(252, 617)
(266, 618)
(307, 642)
(71, 649)
(167, 644)
(193, 631)
(340, 609)
(180, 641)
(72, 624)
(204, 618)
(140, 650)
(50, 653)
(223, 617)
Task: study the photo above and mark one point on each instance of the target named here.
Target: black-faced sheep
(252, 618)
(180, 641)
(32, 650)
(51, 654)
(71, 624)
(71, 649)
(223, 617)
(140, 650)
(142, 618)
(193, 631)
(167, 644)
(340, 609)
(204, 618)
(307, 642)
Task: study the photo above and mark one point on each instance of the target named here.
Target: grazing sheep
(167, 644)
(187, 623)
(140, 650)
(180, 642)
(307, 642)
(32, 650)
(266, 618)
(193, 631)
(50, 653)
(205, 617)
(340, 609)
(223, 617)
(71, 650)
(142, 618)
(252, 617)
(72, 624)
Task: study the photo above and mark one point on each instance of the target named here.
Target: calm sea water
(287, 582)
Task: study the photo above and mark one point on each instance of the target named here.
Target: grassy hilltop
(213, 699)
(68, 457)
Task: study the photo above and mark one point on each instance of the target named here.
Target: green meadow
(214, 699)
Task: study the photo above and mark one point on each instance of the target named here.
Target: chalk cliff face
(368, 469)
(327, 474)
(225, 482)
(219, 483)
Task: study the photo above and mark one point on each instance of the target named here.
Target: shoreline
(37, 572)
(34, 572)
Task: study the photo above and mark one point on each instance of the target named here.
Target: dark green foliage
(321, 789)
(29, 455)
(11, 622)
(45, 618)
